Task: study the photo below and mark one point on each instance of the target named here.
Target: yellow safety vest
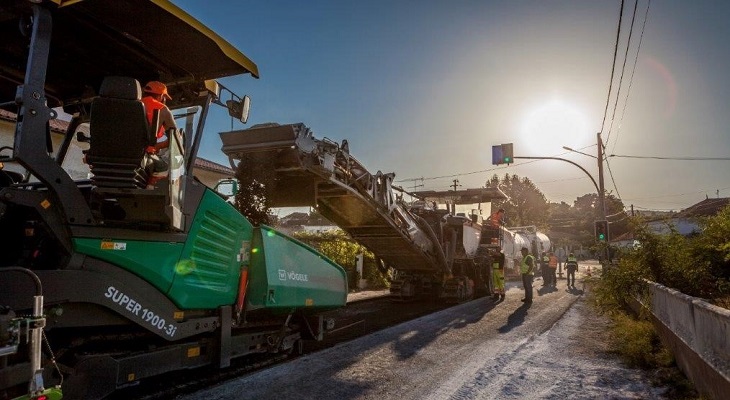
(524, 268)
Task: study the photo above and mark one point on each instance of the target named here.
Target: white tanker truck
(515, 238)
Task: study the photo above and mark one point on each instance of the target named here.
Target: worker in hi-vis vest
(527, 268)
(498, 292)
(571, 266)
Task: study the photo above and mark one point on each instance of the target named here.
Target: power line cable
(610, 172)
(610, 83)
(677, 194)
(563, 180)
(613, 67)
(672, 158)
(431, 178)
(631, 80)
(711, 203)
(618, 91)
(623, 70)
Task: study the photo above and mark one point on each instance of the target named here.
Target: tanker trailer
(515, 238)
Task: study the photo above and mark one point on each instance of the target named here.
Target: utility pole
(601, 190)
(453, 203)
(601, 194)
(414, 180)
(414, 187)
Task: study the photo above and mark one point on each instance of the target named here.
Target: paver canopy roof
(91, 39)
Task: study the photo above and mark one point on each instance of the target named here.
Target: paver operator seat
(119, 135)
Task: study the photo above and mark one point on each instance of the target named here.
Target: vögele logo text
(292, 276)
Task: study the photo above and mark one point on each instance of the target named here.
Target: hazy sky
(425, 88)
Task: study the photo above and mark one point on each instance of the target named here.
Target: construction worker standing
(498, 276)
(544, 271)
(571, 266)
(553, 267)
(527, 268)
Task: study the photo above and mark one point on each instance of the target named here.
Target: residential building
(686, 222)
(207, 172)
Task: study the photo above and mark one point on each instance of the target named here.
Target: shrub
(340, 248)
(637, 343)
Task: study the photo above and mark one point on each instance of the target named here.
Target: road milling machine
(432, 252)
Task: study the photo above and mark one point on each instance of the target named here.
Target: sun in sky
(552, 125)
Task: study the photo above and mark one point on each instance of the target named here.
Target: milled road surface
(551, 349)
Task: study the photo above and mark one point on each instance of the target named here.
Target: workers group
(548, 269)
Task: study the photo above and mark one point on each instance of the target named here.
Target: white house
(686, 221)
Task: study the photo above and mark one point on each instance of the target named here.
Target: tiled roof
(214, 167)
(60, 126)
(623, 236)
(705, 208)
(57, 125)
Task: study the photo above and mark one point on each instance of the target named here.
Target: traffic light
(507, 157)
(502, 154)
(602, 231)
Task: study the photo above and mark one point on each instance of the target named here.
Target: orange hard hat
(156, 87)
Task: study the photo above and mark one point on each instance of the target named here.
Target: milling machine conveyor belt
(322, 173)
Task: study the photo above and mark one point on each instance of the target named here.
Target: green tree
(525, 203)
(586, 212)
(257, 179)
(712, 249)
(563, 225)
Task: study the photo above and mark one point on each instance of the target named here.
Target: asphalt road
(478, 349)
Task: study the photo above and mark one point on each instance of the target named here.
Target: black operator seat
(119, 135)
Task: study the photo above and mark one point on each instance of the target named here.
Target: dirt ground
(556, 347)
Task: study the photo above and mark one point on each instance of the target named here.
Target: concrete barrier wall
(698, 334)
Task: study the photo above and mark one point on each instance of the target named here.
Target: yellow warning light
(193, 352)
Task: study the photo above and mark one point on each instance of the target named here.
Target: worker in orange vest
(155, 95)
(553, 267)
(497, 218)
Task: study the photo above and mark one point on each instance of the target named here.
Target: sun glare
(553, 125)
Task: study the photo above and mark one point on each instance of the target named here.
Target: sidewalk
(366, 294)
